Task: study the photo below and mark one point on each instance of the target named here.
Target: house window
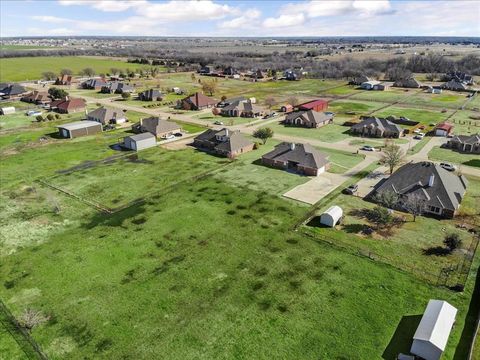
(435, 209)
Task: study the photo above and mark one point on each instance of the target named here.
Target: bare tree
(49, 75)
(87, 72)
(66, 72)
(270, 101)
(392, 156)
(415, 205)
(292, 100)
(209, 87)
(31, 318)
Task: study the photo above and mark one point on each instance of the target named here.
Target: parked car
(416, 131)
(448, 167)
(33, 113)
(352, 189)
(178, 134)
(168, 137)
(218, 122)
(368, 148)
(419, 136)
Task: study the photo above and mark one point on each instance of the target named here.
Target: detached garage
(332, 216)
(79, 128)
(140, 141)
(432, 333)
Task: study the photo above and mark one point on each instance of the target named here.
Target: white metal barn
(332, 216)
(434, 329)
(140, 141)
(7, 110)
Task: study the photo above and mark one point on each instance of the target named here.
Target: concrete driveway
(315, 189)
(366, 185)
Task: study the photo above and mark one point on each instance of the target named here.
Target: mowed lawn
(447, 99)
(423, 116)
(330, 133)
(31, 68)
(448, 155)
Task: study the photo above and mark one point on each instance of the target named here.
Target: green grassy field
(31, 68)
(424, 116)
(440, 154)
(355, 107)
(388, 96)
(329, 133)
(447, 99)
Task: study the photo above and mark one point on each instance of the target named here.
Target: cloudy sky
(239, 18)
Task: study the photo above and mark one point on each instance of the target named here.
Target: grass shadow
(401, 340)
(474, 163)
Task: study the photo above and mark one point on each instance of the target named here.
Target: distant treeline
(395, 68)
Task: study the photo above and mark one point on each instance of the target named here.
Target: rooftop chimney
(292, 146)
(431, 179)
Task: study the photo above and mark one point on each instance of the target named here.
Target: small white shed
(7, 110)
(332, 216)
(432, 333)
(140, 141)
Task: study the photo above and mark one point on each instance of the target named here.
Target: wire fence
(21, 336)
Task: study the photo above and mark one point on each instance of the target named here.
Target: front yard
(441, 154)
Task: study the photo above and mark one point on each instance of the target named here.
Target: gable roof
(37, 96)
(408, 83)
(142, 136)
(105, 114)
(156, 125)
(309, 116)
(444, 126)
(303, 154)
(79, 125)
(11, 89)
(311, 104)
(234, 142)
(94, 83)
(446, 192)
(436, 323)
(467, 139)
(200, 100)
(380, 123)
(68, 103)
(151, 93)
(243, 106)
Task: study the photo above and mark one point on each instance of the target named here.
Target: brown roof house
(299, 158)
(465, 143)
(93, 84)
(37, 97)
(64, 80)
(107, 116)
(440, 190)
(242, 108)
(68, 105)
(223, 142)
(411, 82)
(377, 127)
(150, 95)
(308, 119)
(116, 88)
(197, 101)
(157, 126)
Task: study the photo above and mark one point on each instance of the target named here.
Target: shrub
(50, 117)
(39, 118)
(57, 116)
(452, 241)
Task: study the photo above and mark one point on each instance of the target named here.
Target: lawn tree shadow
(468, 332)
(354, 228)
(437, 251)
(473, 162)
(117, 219)
(402, 339)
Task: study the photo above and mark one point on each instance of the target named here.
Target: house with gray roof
(358, 80)
(376, 127)
(465, 143)
(116, 88)
(93, 84)
(223, 142)
(150, 95)
(299, 158)
(440, 190)
(159, 127)
(455, 85)
(308, 119)
(11, 91)
(107, 116)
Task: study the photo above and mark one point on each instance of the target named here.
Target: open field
(31, 68)
(391, 95)
(425, 117)
(358, 108)
(447, 99)
(447, 155)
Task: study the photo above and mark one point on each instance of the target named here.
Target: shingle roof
(155, 125)
(105, 114)
(303, 154)
(200, 100)
(310, 116)
(79, 125)
(142, 136)
(235, 141)
(446, 192)
(243, 106)
(380, 123)
(467, 139)
(311, 104)
(12, 89)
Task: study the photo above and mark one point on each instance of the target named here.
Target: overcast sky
(239, 18)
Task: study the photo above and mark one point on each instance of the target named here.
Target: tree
(154, 71)
(452, 241)
(209, 87)
(414, 204)
(392, 156)
(125, 95)
(66, 72)
(292, 100)
(49, 75)
(114, 71)
(388, 199)
(380, 216)
(39, 118)
(263, 134)
(270, 102)
(50, 117)
(57, 93)
(87, 72)
(31, 318)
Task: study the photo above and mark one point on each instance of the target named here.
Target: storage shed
(7, 110)
(434, 329)
(140, 141)
(332, 216)
(79, 128)
(443, 129)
